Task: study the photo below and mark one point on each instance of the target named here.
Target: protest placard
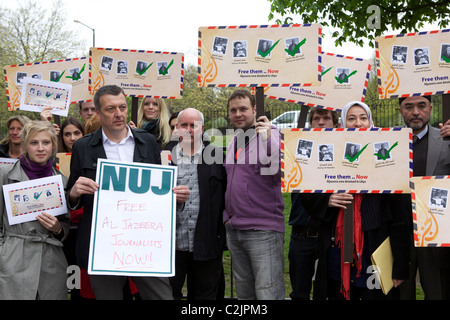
(431, 211)
(38, 94)
(27, 199)
(373, 160)
(343, 79)
(69, 71)
(259, 56)
(413, 64)
(133, 224)
(140, 73)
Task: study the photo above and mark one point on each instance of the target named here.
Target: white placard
(37, 94)
(25, 200)
(133, 220)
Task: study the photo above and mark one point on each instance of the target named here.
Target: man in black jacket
(200, 234)
(116, 141)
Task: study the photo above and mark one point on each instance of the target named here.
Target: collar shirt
(187, 215)
(122, 151)
(421, 134)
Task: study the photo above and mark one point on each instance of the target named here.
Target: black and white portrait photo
(304, 148)
(122, 67)
(240, 49)
(107, 63)
(438, 198)
(351, 151)
(382, 150)
(220, 45)
(445, 52)
(20, 76)
(421, 56)
(399, 54)
(141, 67)
(326, 152)
(263, 47)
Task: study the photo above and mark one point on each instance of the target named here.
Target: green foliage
(354, 18)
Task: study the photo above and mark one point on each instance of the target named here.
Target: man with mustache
(431, 157)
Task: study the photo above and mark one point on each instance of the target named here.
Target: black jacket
(85, 153)
(4, 150)
(209, 238)
(382, 215)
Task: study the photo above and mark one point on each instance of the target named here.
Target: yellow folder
(383, 259)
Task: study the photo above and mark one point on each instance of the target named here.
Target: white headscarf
(351, 104)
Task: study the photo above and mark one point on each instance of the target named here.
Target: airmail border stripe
(141, 51)
(282, 147)
(320, 106)
(246, 85)
(10, 107)
(413, 197)
(377, 56)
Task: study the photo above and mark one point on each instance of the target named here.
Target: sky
(172, 25)
(169, 25)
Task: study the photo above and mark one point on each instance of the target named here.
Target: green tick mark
(294, 51)
(36, 196)
(77, 75)
(48, 94)
(446, 59)
(346, 78)
(264, 54)
(387, 153)
(163, 70)
(59, 78)
(141, 72)
(351, 159)
(326, 71)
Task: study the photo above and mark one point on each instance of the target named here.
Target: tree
(357, 20)
(32, 33)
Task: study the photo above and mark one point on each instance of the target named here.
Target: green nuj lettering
(110, 174)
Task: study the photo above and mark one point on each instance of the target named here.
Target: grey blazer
(438, 154)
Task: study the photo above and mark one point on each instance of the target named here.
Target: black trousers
(203, 277)
(150, 288)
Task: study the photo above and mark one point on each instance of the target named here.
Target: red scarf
(358, 242)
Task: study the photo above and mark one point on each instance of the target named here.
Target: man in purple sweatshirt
(254, 205)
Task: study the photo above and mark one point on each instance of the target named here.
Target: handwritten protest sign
(413, 64)
(139, 73)
(346, 160)
(431, 211)
(258, 56)
(69, 71)
(133, 226)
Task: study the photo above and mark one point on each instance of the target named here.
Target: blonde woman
(10, 145)
(32, 261)
(153, 117)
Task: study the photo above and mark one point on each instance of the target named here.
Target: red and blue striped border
(380, 191)
(140, 51)
(402, 35)
(264, 85)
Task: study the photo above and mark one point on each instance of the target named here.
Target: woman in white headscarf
(375, 217)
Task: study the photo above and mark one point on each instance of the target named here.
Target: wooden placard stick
(348, 234)
(302, 117)
(134, 109)
(259, 102)
(446, 110)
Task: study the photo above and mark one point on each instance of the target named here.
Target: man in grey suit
(431, 157)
